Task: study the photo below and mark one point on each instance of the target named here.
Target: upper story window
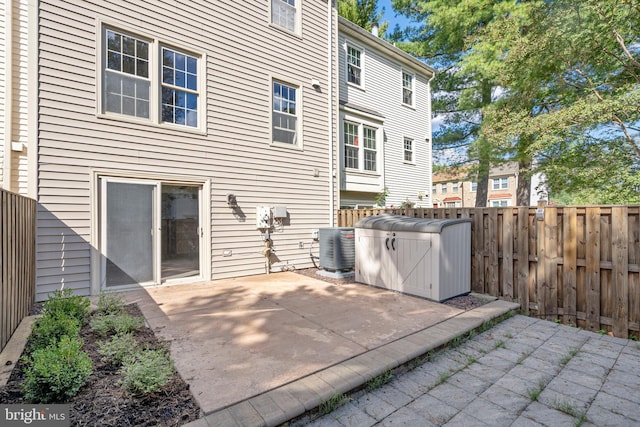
(408, 150)
(285, 113)
(434, 188)
(284, 13)
(131, 81)
(474, 186)
(360, 146)
(354, 65)
(179, 88)
(500, 183)
(407, 89)
(444, 187)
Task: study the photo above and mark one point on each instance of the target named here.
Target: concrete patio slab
(238, 338)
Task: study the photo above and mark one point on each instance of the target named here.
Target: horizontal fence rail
(578, 265)
(17, 261)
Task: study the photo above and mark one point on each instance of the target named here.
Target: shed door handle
(386, 243)
(392, 243)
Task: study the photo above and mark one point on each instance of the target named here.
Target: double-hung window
(408, 150)
(360, 146)
(407, 89)
(474, 186)
(132, 86)
(285, 113)
(454, 187)
(500, 183)
(284, 13)
(354, 65)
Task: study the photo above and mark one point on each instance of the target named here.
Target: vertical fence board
(507, 254)
(541, 276)
(523, 259)
(620, 273)
(569, 253)
(477, 270)
(593, 268)
(550, 262)
(491, 249)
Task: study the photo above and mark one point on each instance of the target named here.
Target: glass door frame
(99, 209)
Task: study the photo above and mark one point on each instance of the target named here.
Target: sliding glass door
(150, 232)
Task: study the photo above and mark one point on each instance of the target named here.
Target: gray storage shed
(430, 258)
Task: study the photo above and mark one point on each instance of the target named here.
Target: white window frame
(155, 46)
(297, 6)
(501, 183)
(454, 187)
(434, 188)
(347, 63)
(361, 125)
(412, 88)
(500, 203)
(474, 186)
(455, 204)
(444, 188)
(298, 144)
(411, 151)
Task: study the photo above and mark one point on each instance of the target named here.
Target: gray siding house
(385, 121)
(173, 142)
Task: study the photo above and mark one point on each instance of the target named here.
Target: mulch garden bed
(102, 402)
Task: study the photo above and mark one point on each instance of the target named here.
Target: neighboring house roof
(347, 27)
(500, 196)
(452, 199)
(462, 173)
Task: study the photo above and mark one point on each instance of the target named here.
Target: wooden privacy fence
(17, 261)
(580, 265)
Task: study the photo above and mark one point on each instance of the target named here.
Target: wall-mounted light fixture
(315, 83)
(231, 200)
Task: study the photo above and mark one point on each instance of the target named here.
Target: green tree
(363, 13)
(570, 70)
(460, 93)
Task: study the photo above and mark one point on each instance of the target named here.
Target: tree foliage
(363, 13)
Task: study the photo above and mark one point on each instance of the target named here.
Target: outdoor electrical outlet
(301, 245)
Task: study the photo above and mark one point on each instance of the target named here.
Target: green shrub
(110, 304)
(146, 371)
(109, 324)
(118, 348)
(57, 372)
(63, 303)
(49, 328)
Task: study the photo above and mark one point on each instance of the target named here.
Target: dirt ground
(102, 402)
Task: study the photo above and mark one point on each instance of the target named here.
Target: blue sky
(390, 15)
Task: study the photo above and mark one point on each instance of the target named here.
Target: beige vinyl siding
(234, 153)
(3, 82)
(382, 93)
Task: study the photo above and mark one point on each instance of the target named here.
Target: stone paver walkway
(522, 372)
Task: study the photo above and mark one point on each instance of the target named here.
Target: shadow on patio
(237, 338)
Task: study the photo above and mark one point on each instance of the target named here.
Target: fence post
(507, 253)
(592, 218)
(551, 263)
(620, 273)
(523, 259)
(569, 267)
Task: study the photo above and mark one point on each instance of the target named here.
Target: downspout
(330, 108)
(7, 170)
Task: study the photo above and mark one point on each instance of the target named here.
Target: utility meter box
(263, 217)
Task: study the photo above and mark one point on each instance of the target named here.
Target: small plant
(456, 342)
(535, 392)
(508, 335)
(146, 371)
(471, 360)
(566, 407)
(499, 344)
(57, 372)
(521, 359)
(110, 304)
(64, 303)
(556, 320)
(633, 337)
(379, 381)
(602, 332)
(118, 348)
(109, 324)
(49, 328)
(443, 378)
(569, 356)
(381, 198)
(407, 204)
(471, 334)
(334, 402)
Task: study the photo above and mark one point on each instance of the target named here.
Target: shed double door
(400, 261)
